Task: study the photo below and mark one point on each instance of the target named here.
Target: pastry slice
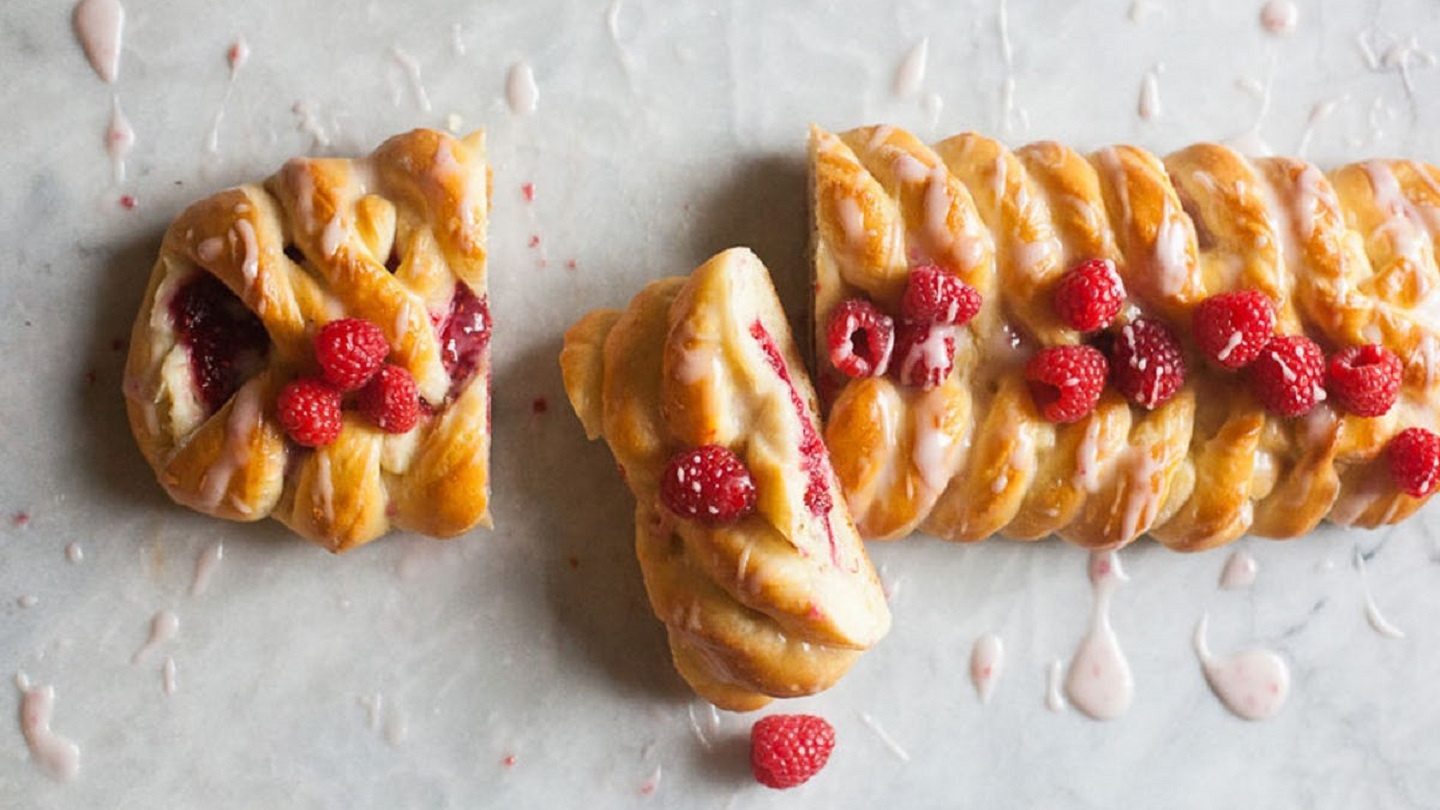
(749, 555)
(241, 413)
(1102, 346)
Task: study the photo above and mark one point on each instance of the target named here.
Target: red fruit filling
(227, 343)
(464, 335)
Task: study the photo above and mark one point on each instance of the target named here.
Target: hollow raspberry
(1287, 376)
(1364, 379)
(390, 400)
(1066, 381)
(924, 354)
(861, 338)
(709, 484)
(349, 352)
(787, 749)
(1089, 295)
(1232, 328)
(933, 295)
(309, 410)
(1414, 457)
(1146, 364)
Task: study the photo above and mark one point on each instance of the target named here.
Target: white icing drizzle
(411, 66)
(205, 566)
(307, 122)
(934, 453)
(332, 237)
(163, 627)
(1149, 107)
(885, 739)
(1318, 113)
(1377, 620)
(987, 661)
(1054, 694)
(1099, 682)
(1253, 684)
(933, 105)
(374, 706)
(74, 553)
(521, 92)
(1087, 458)
(937, 210)
(1239, 571)
(1279, 17)
(910, 170)
(1403, 225)
(852, 220)
(911, 73)
(100, 27)
(245, 416)
(1172, 259)
(1142, 499)
(119, 140)
(167, 676)
(325, 486)
(57, 755)
(706, 739)
(931, 351)
(237, 55)
(250, 262)
(209, 249)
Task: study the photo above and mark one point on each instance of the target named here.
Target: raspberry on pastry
(1066, 381)
(933, 295)
(924, 354)
(1181, 269)
(1414, 457)
(390, 401)
(748, 551)
(860, 339)
(330, 265)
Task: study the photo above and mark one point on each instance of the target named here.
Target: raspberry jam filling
(812, 450)
(227, 343)
(464, 335)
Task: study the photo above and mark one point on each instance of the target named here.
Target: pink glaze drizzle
(1099, 682)
(1253, 684)
(57, 755)
(100, 26)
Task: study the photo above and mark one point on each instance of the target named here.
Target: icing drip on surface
(57, 755)
(100, 27)
(884, 737)
(1279, 17)
(411, 66)
(167, 676)
(1239, 572)
(987, 660)
(205, 566)
(1099, 682)
(163, 627)
(1253, 684)
(1054, 689)
(521, 92)
(119, 140)
(1149, 107)
(1377, 620)
(74, 553)
(911, 73)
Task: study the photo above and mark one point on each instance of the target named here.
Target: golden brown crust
(422, 197)
(1348, 259)
(780, 603)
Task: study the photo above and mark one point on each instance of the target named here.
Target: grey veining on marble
(681, 134)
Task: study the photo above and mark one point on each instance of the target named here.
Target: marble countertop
(521, 667)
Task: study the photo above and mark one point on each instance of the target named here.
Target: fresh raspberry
(1287, 375)
(787, 749)
(1089, 295)
(1364, 379)
(1146, 364)
(309, 411)
(861, 338)
(1414, 456)
(924, 354)
(709, 484)
(1232, 328)
(933, 295)
(390, 400)
(1066, 381)
(350, 351)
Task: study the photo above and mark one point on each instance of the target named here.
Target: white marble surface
(679, 134)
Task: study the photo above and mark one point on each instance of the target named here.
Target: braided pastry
(244, 279)
(1346, 260)
(775, 603)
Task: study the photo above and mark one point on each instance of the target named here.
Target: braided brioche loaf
(1347, 259)
(397, 238)
(781, 602)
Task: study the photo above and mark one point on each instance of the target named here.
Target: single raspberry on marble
(309, 410)
(933, 295)
(860, 338)
(1232, 328)
(1146, 364)
(709, 484)
(1066, 381)
(350, 351)
(1414, 458)
(1365, 380)
(787, 749)
(1288, 375)
(924, 354)
(1089, 295)
(391, 400)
